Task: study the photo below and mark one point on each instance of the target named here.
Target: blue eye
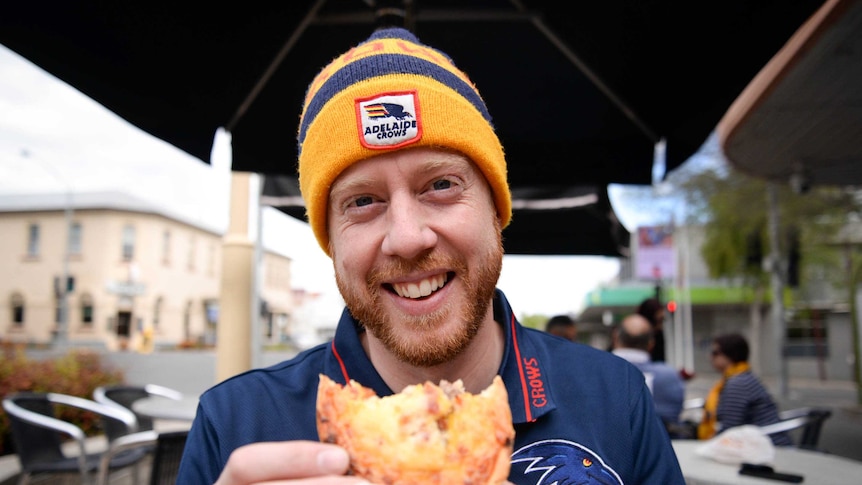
(442, 184)
(363, 201)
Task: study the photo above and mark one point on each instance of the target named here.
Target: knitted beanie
(388, 93)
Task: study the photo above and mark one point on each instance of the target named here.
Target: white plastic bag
(741, 444)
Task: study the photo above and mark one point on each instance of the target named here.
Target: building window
(191, 256)
(211, 311)
(807, 334)
(211, 260)
(157, 313)
(86, 310)
(128, 243)
(187, 321)
(166, 247)
(75, 238)
(33, 240)
(17, 305)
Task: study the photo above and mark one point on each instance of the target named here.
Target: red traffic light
(671, 306)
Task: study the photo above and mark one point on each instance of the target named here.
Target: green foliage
(534, 321)
(77, 373)
(734, 209)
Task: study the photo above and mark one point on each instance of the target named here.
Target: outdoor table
(817, 468)
(158, 407)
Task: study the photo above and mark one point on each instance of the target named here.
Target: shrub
(77, 373)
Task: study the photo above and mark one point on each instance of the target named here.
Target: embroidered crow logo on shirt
(562, 462)
(389, 120)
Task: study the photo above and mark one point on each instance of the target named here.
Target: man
(562, 326)
(633, 341)
(405, 187)
(653, 310)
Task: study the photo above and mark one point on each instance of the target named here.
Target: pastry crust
(426, 434)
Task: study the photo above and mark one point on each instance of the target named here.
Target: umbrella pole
(233, 345)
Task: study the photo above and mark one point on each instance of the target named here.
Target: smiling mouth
(420, 289)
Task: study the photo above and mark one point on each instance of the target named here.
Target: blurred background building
(135, 275)
(819, 334)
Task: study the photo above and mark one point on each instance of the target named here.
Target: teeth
(423, 288)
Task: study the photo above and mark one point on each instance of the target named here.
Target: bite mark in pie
(426, 434)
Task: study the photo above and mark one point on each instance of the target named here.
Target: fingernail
(333, 460)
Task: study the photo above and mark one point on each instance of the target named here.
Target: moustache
(397, 268)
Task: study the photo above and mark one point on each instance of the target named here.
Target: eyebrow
(450, 161)
(441, 161)
(356, 184)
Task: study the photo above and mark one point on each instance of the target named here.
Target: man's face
(719, 361)
(417, 250)
(568, 332)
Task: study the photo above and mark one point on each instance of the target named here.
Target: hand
(306, 462)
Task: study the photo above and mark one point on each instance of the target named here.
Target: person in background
(633, 341)
(738, 397)
(405, 187)
(653, 310)
(562, 326)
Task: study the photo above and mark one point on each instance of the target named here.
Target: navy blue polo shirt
(581, 415)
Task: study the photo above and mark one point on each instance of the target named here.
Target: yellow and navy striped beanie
(388, 93)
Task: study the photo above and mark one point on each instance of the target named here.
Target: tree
(739, 214)
(734, 211)
(536, 321)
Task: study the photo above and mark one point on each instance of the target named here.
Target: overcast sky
(52, 138)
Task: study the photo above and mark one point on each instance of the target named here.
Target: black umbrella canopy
(580, 92)
(567, 219)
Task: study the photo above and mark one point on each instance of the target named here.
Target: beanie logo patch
(389, 120)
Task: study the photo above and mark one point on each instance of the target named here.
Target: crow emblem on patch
(387, 110)
(389, 120)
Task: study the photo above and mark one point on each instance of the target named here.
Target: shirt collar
(523, 369)
(635, 356)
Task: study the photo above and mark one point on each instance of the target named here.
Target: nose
(408, 234)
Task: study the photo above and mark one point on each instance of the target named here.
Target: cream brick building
(136, 271)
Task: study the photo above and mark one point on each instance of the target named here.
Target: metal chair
(124, 396)
(37, 433)
(809, 420)
(692, 409)
(167, 451)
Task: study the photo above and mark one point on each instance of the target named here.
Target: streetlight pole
(61, 337)
(778, 324)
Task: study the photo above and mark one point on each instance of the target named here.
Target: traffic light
(793, 258)
(671, 306)
(754, 251)
(58, 286)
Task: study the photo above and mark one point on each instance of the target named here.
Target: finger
(260, 462)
